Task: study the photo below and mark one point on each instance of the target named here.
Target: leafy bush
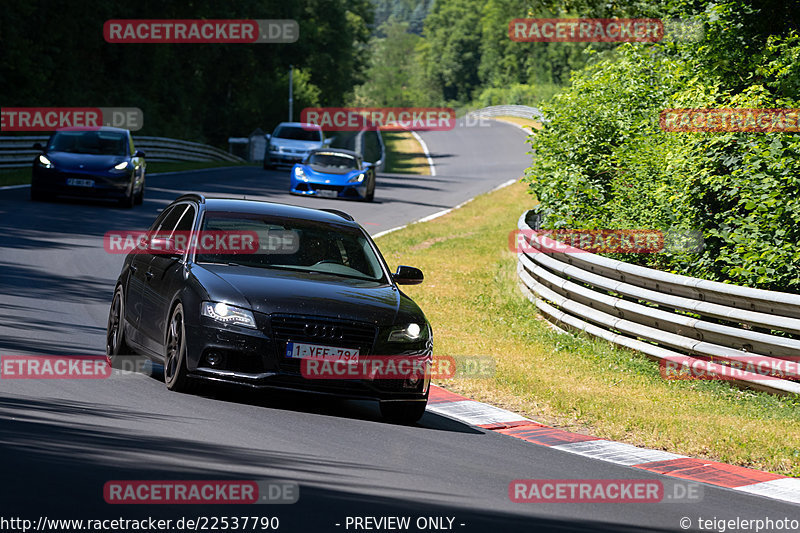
(603, 162)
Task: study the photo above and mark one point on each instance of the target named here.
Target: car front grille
(335, 188)
(318, 330)
(321, 331)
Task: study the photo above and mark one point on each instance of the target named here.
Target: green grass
(22, 176)
(404, 154)
(579, 383)
(15, 176)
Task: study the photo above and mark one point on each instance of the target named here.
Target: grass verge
(527, 123)
(577, 383)
(22, 176)
(15, 176)
(404, 154)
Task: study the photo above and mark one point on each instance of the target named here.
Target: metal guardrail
(18, 152)
(666, 316)
(521, 111)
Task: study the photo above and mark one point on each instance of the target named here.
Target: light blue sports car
(334, 173)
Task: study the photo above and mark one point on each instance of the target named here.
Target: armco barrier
(521, 111)
(666, 316)
(18, 152)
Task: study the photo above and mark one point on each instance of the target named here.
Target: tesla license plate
(75, 182)
(297, 350)
(327, 194)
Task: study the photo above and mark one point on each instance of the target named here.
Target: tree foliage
(602, 161)
(52, 53)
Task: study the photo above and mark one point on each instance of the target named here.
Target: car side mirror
(138, 153)
(38, 146)
(164, 246)
(407, 275)
(267, 136)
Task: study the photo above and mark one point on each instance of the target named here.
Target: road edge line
(443, 211)
(425, 150)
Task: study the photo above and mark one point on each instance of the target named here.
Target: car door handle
(133, 269)
(149, 274)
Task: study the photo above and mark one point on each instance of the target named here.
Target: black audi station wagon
(300, 284)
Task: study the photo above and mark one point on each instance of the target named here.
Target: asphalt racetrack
(62, 440)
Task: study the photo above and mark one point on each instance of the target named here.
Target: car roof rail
(193, 196)
(339, 213)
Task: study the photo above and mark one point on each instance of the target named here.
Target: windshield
(296, 133)
(296, 245)
(89, 142)
(333, 160)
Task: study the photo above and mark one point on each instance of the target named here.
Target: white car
(291, 142)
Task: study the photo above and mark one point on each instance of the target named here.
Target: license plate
(327, 194)
(298, 350)
(75, 182)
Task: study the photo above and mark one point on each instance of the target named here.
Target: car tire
(176, 374)
(129, 200)
(403, 412)
(268, 165)
(116, 345)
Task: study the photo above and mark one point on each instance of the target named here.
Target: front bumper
(286, 158)
(54, 181)
(255, 358)
(309, 188)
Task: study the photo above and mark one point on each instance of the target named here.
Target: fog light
(214, 359)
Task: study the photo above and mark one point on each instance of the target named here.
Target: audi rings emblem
(323, 331)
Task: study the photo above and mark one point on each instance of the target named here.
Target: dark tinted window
(297, 245)
(187, 220)
(90, 142)
(333, 160)
(168, 223)
(296, 133)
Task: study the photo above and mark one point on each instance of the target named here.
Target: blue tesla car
(334, 173)
(93, 162)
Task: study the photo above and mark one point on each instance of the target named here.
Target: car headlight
(299, 174)
(409, 333)
(121, 166)
(228, 314)
(273, 148)
(46, 163)
(356, 179)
